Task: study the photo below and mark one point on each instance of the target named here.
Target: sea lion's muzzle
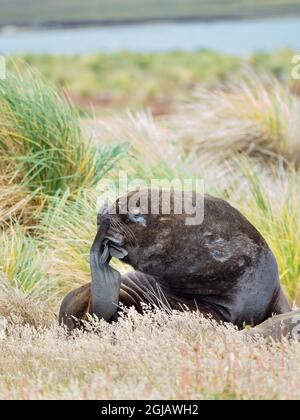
(112, 246)
(111, 243)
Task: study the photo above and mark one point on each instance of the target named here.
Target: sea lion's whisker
(124, 229)
(132, 237)
(118, 227)
(116, 224)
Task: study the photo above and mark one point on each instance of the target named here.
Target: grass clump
(16, 202)
(256, 117)
(41, 139)
(153, 154)
(69, 227)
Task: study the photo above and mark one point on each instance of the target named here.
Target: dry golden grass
(17, 202)
(153, 152)
(256, 117)
(156, 356)
(19, 309)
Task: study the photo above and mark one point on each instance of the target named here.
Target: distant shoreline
(47, 25)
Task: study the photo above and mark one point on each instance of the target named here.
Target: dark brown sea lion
(221, 267)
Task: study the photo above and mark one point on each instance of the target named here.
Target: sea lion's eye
(136, 211)
(135, 216)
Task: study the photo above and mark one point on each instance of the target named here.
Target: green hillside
(36, 12)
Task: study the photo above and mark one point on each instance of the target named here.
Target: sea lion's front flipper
(279, 327)
(105, 280)
(280, 304)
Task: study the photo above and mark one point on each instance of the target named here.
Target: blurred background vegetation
(158, 81)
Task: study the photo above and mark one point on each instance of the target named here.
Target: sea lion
(221, 267)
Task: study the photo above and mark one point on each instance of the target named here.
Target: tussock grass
(16, 202)
(69, 228)
(153, 153)
(258, 117)
(135, 80)
(41, 140)
(158, 356)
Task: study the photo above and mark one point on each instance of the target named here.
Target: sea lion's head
(145, 231)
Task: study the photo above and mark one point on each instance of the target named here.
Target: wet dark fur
(221, 267)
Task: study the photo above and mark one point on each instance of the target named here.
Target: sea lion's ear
(98, 219)
(104, 209)
(102, 214)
